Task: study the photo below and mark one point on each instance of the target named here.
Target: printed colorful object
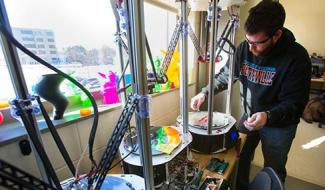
(157, 64)
(1, 118)
(85, 101)
(167, 139)
(85, 111)
(157, 88)
(172, 85)
(4, 105)
(110, 95)
(173, 71)
(76, 94)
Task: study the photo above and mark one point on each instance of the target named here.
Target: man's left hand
(256, 121)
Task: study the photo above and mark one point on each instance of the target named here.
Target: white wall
(164, 111)
(306, 20)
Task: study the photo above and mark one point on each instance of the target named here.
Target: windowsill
(15, 131)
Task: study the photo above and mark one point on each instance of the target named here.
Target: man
(274, 74)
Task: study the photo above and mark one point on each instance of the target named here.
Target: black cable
(133, 150)
(123, 73)
(9, 37)
(56, 137)
(231, 46)
(207, 41)
(151, 60)
(129, 44)
(224, 38)
(123, 89)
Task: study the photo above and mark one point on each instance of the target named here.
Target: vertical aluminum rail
(136, 13)
(231, 68)
(17, 77)
(120, 55)
(130, 45)
(213, 37)
(184, 68)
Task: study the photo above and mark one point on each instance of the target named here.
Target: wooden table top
(320, 80)
(229, 156)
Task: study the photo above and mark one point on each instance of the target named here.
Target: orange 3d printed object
(85, 111)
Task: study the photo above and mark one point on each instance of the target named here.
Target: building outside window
(27, 39)
(39, 40)
(6, 89)
(40, 46)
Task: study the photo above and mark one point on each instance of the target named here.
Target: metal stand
(184, 69)
(159, 163)
(213, 137)
(214, 26)
(136, 15)
(19, 84)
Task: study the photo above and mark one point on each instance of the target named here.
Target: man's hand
(256, 121)
(197, 101)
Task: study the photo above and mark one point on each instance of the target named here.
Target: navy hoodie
(278, 82)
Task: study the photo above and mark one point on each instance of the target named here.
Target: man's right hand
(197, 101)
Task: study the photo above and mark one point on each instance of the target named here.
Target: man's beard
(264, 52)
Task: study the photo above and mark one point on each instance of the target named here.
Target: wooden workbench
(230, 156)
(317, 85)
(318, 80)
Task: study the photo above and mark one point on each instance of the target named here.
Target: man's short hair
(267, 16)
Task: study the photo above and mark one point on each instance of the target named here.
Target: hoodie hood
(286, 40)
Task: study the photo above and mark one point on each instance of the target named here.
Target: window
(76, 46)
(49, 33)
(159, 35)
(154, 17)
(83, 45)
(159, 27)
(38, 33)
(7, 90)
